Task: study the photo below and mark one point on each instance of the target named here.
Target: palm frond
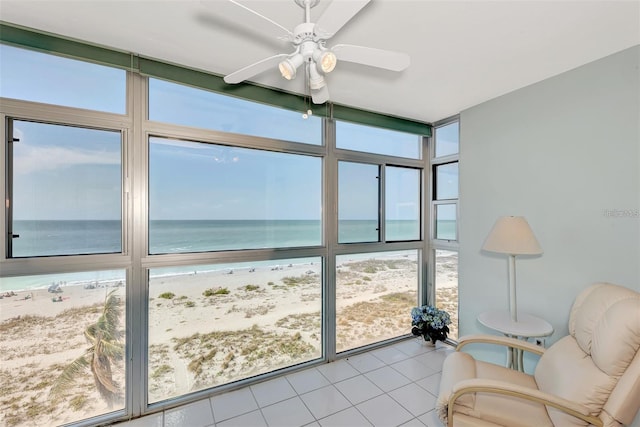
(110, 314)
(70, 374)
(113, 350)
(105, 349)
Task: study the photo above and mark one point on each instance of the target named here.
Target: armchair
(590, 377)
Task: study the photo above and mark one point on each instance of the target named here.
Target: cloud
(30, 159)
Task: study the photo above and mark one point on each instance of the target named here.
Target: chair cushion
(492, 409)
(604, 325)
(565, 370)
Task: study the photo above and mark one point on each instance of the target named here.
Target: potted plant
(430, 322)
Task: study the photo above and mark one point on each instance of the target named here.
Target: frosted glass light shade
(512, 235)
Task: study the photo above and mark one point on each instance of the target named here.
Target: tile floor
(391, 386)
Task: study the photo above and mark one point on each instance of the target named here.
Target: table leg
(520, 360)
(514, 357)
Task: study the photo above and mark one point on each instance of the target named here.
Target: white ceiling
(462, 52)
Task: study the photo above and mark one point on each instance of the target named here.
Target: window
(62, 346)
(214, 324)
(447, 139)
(214, 228)
(66, 190)
(183, 105)
(368, 139)
(446, 179)
(402, 198)
(40, 77)
(445, 220)
(206, 197)
(447, 286)
(374, 294)
(358, 202)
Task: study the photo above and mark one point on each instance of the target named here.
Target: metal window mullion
(57, 114)
(8, 161)
(382, 214)
(137, 314)
(426, 283)
(330, 182)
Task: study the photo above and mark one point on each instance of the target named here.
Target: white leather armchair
(591, 377)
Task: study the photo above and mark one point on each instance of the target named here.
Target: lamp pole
(513, 307)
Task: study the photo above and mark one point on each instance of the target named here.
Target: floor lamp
(512, 235)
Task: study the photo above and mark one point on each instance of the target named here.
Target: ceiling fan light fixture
(289, 66)
(326, 60)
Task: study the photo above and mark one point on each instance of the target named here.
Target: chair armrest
(492, 386)
(500, 340)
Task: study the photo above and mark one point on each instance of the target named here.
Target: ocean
(47, 238)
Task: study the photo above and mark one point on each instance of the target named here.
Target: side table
(527, 326)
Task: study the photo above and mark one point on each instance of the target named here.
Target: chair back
(598, 363)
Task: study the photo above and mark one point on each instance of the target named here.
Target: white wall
(562, 153)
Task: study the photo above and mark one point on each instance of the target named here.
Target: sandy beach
(205, 329)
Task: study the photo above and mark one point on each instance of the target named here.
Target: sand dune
(205, 329)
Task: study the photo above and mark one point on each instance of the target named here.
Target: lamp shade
(512, 235)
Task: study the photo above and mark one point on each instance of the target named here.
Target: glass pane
(447, 138)
(40, 77)
(214, 324)
(402, 197)
(447, 181)
(374, 296)
(187, 106)
(369, 139)
(58, 325)
(67, 190)
(446, 222)
(205, 197)
(358, 189)
(447, 287)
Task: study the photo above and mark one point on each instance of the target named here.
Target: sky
(64, 172)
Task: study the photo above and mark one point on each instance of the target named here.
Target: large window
(205, 197)
(183, 242)
(66, 188)
(214, 324)
(62, 347)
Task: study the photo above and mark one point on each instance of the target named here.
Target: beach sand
(205, 329)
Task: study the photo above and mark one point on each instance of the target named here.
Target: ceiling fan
(310, 52)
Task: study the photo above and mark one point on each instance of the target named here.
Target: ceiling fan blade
(320, 96)
(337, 14)
(386, 59)
(253, 69)
(247, 17)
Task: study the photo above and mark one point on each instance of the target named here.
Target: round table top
(527, 325)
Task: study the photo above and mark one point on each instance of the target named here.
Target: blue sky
(63, 172)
